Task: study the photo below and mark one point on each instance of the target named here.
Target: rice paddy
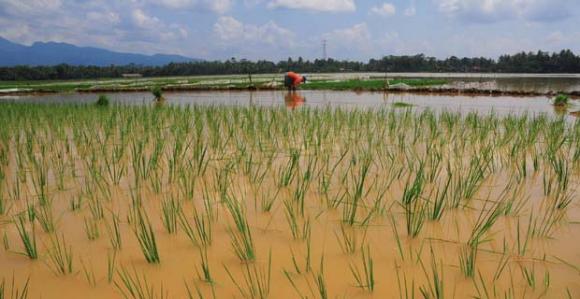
(263, 202)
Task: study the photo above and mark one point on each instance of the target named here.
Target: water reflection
(294, 99)
(343, 99)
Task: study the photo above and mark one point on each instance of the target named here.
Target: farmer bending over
(293, 80)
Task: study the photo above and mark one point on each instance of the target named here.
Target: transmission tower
(324, 53)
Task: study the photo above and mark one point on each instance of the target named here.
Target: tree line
(525, 62)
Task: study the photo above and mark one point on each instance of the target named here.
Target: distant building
(132, 75)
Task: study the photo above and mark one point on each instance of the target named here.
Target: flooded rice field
(242, 197)
(345, 99)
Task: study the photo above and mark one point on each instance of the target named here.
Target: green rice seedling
(146, 237)
(3, 202)
(287, 173)
(243, 244)
(485, 221)
(544, 225)
(241, 237)
(267, 200)
(397, 238)
(5, 242)
(412, 191)
(92, 229)
(482, 289)
(170, 210)
(76, 203)
(435, 287)
(133, 286)
(467, 259)
(353, 201)
(197, 291)
(60, 256)
(294, 286)
(89, 274)
(366, 279)
(201, 231)
(529, 276)
(437, 206)
(320, 281)
(114, 231)
(415, 216)
(406, 289)
(298, 231)
(205, 274)
(111, 265)
(15, 292)
(28, 238)
(348, 239)
(96, 208)
(45, 218)
(257, 281)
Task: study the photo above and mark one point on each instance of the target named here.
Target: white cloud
(315, 5)
(410, 11)
(500, 10)
(30, 7)
(351, 41)
(231, 31)
(385, 10)
(218, 6)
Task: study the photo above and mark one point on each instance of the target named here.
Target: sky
(278, 29)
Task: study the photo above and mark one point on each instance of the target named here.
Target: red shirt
(296, 79)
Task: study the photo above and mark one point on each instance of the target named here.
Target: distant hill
(52, 53)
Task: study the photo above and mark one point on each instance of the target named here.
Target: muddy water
(480, 104)
(439, 242)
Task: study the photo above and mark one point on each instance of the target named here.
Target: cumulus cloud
(30, 7)
(218, 6)
(385, 10)
(231, 31)
(315, 5)
(500, 10)
(117, 25)
(410, 11)
(351, 41)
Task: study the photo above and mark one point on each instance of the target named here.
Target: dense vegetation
(541, 62)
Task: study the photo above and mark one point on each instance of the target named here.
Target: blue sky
(277, 29)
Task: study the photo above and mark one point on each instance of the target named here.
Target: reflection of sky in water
(481, 104)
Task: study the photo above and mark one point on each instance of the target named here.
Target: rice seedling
(133, 286)
(92, 229)
(13, 291)
(205, 274)
(467, 259)
(89, 274)
(111, 265)
(143, 230)
(435, 287)
(170, 210)
(28, 238)
(256, 282)
(366, 278)
(320, 280)
(60, 256)
(114, 231)
(45, 218)
(459, 180)
(485, 221)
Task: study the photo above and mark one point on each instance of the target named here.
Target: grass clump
(103, 101)
(561, 100)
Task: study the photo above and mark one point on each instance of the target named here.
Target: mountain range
(53, 53)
